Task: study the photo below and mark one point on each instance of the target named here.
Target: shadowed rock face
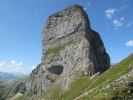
(70, 48)
(56, 69)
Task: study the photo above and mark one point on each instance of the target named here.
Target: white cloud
(2, 63)
(20, 63)
(129, 43)
(33, 66)
(110, 12)
(85, 8)
(13, 62)
(12, 66)
(116, 19)
(119, 22)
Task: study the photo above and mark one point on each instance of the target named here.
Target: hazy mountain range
(10, 76)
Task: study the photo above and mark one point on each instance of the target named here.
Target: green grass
(54, 50)
(57, 49)
(76, 88)
(84, 84)
(55, 93)
(93, 87)
(109, 76)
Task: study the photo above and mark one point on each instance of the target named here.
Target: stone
(70, 48)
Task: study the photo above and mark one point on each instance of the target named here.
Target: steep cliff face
(70, 48)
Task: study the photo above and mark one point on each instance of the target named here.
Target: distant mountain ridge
(9, 76)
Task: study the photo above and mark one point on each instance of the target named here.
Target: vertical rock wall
(70, 47)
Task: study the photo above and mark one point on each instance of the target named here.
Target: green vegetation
(94, 87)
(8, 88)
(54, 50)
(106, 78)
(57, 49)
(4, 90)
(53, 94)
(76, 88)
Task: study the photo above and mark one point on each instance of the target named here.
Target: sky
(22, 22)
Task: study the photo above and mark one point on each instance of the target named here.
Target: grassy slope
(5, 87)
(85, 85)
(107, 77)
(92, 87)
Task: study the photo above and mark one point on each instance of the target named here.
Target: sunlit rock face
(70, 48)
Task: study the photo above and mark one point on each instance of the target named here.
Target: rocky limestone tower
(70, 48)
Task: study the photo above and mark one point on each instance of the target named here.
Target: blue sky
(22, 21)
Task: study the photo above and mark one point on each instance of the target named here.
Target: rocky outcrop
(9, 88)
(70, 48)
(121, 88)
